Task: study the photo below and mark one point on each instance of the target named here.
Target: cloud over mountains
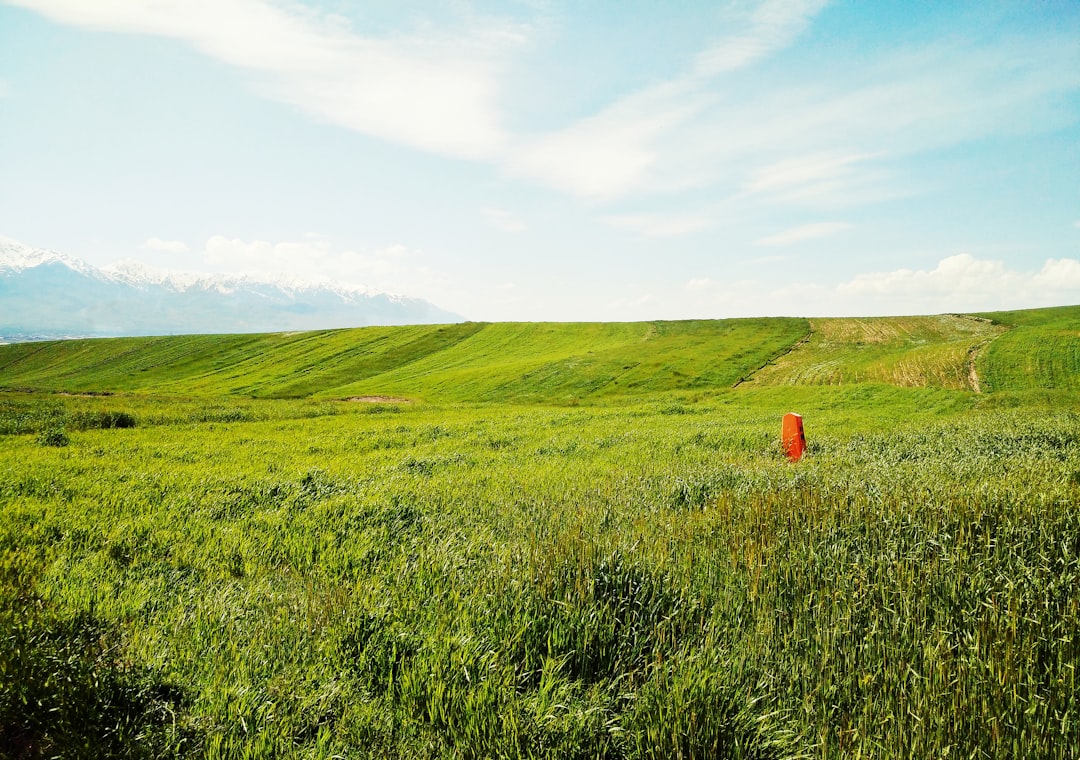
(44, 294)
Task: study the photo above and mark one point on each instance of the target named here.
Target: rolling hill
(462, 362)
(569, 362)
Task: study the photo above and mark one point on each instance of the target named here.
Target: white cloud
(1061, 275)
(610, 153)
(622, 148)
(803, 232)
(768, 259)
(662, 225)
(772, 25)
(809, 177)
(822, 137)
(166, 246)
(435, 92)
(817, 136)
(232, 253)
(960, 273)
(504, 220)
(393, 269)
(700, 283)
(958, 283)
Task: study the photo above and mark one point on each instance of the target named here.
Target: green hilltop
(569, 362)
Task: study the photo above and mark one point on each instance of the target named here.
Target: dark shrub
(102, 420)
(53, 436)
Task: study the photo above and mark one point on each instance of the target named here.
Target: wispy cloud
(504, 220)
(611, 153)
(808, 177)
(433, 91)
(712, 298)
(760, 260)
(771, 25)
(662, 225)
(393, 269)
(804, 232)
(627, 145)
(843, 139)
(958, 283)
(817, 136)
(632, 304)
(166, 246)
(966, 277)
(700, 283)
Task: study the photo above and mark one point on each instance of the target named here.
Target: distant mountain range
(46, 295)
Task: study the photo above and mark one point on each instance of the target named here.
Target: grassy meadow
(545, 541)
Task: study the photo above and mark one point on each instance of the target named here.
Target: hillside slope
(1041, 350)
(914, 352)
(566, 362)
(463, 362)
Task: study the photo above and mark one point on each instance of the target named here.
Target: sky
(559, 161)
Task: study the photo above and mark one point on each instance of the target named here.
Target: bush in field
(20, 418)
(53, 436)
(104, 420)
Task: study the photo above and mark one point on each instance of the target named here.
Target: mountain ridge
(46, 295)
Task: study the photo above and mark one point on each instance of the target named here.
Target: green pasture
(465, 362)
(1040, 350)
(574, 541)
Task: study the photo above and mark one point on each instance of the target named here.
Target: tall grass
(637, 581)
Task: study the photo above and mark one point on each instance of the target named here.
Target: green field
(913, 352)
(545, 540)
(1041, 350)
(466, 362)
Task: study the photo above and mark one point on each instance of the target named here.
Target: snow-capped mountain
(16, 257)
(138, 274)
(44, 294)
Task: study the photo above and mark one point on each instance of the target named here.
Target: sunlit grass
(1041, 350)
(638, 575)
(624, 582)
(910, 352)
(549, 363)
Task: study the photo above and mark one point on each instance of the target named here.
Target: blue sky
(540, 160)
